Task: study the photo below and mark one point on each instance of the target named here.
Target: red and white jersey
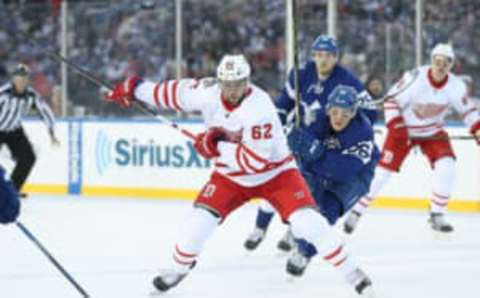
(263, 151)
(425, 103)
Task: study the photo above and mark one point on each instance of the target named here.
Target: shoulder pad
(208, 82)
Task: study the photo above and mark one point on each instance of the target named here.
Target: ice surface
(113, 248)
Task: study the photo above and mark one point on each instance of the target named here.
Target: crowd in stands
(118, 38)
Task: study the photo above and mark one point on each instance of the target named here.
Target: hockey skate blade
(156, 293)
(291, 279)
(282, 253)
(368, 293)
(442, 236)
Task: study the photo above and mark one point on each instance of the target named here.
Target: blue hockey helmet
(344, 97)
(325, 43)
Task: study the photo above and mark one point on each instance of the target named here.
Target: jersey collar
(436, 85)
(229, 106)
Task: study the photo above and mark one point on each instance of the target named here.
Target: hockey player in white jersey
(245, 140)
(415, 117)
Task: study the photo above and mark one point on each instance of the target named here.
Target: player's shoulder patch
(208, 82)
(203, 83)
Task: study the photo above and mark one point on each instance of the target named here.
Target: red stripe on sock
(333, 254)
(340, 262)
(363, 204)
(183, 254)
(180, 261)
(439, 203)
(441, 197)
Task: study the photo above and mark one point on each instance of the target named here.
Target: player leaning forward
(245, 139)
(419, 112)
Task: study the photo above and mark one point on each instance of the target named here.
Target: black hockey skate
(297, 263)
(287, 242)
(254, 239)
(169, 279)
(361, 283)
(351, 222)
(438, 223)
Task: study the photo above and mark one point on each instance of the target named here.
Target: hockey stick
(398, 88)
(443, 138)
(435, 138)
(94, 79)
(57, 265)
(298, 97)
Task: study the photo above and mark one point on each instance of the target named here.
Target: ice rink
(113, 248)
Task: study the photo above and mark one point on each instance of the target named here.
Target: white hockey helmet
(233, 68)
(443, 49)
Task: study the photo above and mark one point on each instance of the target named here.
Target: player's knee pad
(308, 224)
(444, 164)
(265, 206)
(9, 202)
(311, 226)
(198, 228)
(443, 175)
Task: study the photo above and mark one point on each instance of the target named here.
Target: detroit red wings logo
(428, 110)
(230, 65)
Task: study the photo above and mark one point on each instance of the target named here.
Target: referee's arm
(47, 116)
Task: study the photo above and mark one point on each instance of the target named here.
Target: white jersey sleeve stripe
(175, 94)
(155, 95)
(166, 98)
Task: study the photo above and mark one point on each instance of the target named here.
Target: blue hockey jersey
(347, 154)
(314, 93)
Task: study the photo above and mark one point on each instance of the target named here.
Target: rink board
(146, 159)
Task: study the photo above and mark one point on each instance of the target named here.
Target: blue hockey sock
(263, 219)
(306, 248)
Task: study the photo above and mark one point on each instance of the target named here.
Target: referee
(16, 99)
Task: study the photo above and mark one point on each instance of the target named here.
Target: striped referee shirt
(13, 107)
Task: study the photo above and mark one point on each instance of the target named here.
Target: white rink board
(141, 154)
(150, 155)
(52, 162)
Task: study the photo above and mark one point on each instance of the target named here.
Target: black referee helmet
(21, 70)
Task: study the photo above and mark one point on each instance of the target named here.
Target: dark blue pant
(9, 201)
(334, 199)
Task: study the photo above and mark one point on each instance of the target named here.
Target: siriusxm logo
(124, 152)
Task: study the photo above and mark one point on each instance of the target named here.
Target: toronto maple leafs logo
(331, 143)
(310, 112)
(316, 88)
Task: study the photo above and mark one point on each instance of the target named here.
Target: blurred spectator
(116, 38)
(375, 86)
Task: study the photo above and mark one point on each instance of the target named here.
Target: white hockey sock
(199, 226)
(313, 227)
(443, 181)
(381, 177)
(265, 206)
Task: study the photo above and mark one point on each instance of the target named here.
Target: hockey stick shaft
(96, 80)
(295, 64)
(52, 260)
(441, 138)
(435, 138)
(400, 89)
